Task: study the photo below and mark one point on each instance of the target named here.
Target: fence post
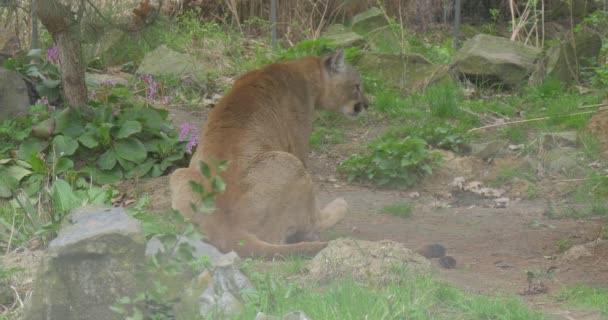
(273, 22)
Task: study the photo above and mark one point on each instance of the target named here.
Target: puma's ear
(335, 62)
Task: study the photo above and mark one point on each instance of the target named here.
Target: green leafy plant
(44, 74)
(392, 161)
(439, 134)
(323, 136)
(206, 205)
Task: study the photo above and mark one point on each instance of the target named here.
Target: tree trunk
(62, 20)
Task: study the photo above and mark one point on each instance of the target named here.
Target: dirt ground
(494, 247)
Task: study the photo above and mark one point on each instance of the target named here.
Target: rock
(221, 294)
(411, 72)
(563, 62)
(501, 202)
(165, 62)
(598, 127)
(560, 139)
(98, 79)
(92, 262)
(564, 161)
(341, 37)
(486, 150)
(496, 60)
(296, 315)
(365, 261)
(375, 28)
(588, 249)
(200, 248)
(14, 98)
(263, 316)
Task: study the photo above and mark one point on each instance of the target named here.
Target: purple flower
(116, 110)
(189, 131)
(153, 90)
(53, 55)
(108, 83)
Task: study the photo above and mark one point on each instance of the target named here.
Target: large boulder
(92, 262)
(165, 62)
(376, 261)
(408, 71)
(564, 60)
(496, 60)
(376, 29)
(342, 37)
(14, 97)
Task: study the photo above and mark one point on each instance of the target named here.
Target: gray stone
(560, 139)
(163, 61)
(376, 30)
(217, 291)
(200, 248)
(341, 37)
(564, 161)
(486, 150)
(361, 260)
(496, 60)
(14, 98)
(411, 72)
(296, 315)
(263, 316)
(562, 62)
(92, 262)
(99, 78)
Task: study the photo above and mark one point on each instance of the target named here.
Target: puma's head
(342, 87)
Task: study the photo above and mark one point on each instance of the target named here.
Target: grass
(585, 297)
(402, 210)
(413, 297)
(563, 245)
(322, 136)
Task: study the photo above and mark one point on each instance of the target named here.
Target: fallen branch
(604, 104)
(527, 120)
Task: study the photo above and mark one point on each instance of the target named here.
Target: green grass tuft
(402, 210)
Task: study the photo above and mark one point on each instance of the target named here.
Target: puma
(263, 128)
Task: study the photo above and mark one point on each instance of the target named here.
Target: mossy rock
(411, 72)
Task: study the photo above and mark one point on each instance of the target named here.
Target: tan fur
(263, 127)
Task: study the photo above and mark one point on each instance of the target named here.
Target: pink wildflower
(189, 131)
(53, 55)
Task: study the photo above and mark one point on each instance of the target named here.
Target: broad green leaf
(197, 187)
(62, 165)
(107, 160)
(141, 169)
(29, 147)
(5, 161)
(68, 122)
(126, 164)
(205, 170)
(7, 185)
(38, 165)
(130, 149)
(88, 140)
(64, 146)
(50, 83)
(63, 197)
(218, 184)
(102, 176)
(17, 172)
(128, 128)
(156, 171)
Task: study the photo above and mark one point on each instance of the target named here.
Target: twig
(17, 296)
(527, 120)
(604, 104)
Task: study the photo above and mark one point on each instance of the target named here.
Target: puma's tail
(248, 245)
